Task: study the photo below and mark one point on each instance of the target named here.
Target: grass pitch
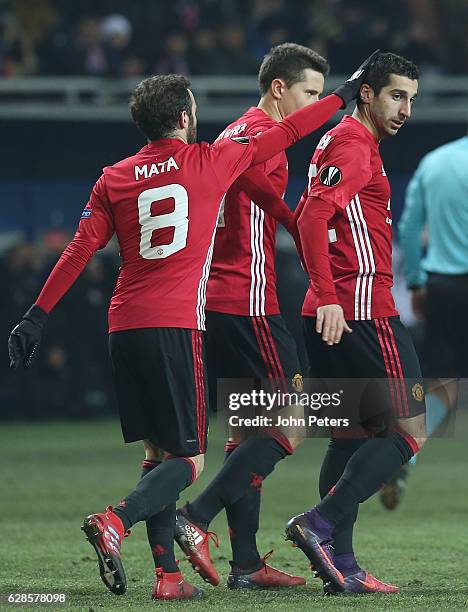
(54, 474)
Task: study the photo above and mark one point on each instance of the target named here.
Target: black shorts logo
(330, 176)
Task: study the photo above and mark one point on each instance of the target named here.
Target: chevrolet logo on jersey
(330, 176)
(242, 140)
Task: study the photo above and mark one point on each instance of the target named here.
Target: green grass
(54, 474)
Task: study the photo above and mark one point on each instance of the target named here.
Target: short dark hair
(288, 62)
(385, 64)
(157, 102)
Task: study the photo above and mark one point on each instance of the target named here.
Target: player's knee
(198, 464)
(420, 441)
(296, 441)
(236, 440)
(153, 452)
(294, 428)
(238, 435)
(414, 428)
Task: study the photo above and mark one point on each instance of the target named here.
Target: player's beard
(191, 131)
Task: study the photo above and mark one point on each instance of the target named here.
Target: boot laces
(211, 535)
(265, 558)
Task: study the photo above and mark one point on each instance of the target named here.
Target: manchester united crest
(298, 382)
(418, 392)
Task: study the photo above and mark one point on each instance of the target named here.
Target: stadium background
(66, 71)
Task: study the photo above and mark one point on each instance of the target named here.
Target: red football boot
(105, 532)
(361, 582)
(264, 578)
(195, 544)
(173, 586)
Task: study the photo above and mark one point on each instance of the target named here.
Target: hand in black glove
(350, 89)
(25, 338)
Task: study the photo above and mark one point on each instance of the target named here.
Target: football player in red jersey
(163, 203)
(246, 337)
(351, 326)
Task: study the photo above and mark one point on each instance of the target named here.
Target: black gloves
(350, 89)
(25, 338)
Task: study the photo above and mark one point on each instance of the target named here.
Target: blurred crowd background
(72, 377)
(49, 166)
(201, 37)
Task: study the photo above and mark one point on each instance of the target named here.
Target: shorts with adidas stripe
(250, 347)
(159, 376)
(379, 348)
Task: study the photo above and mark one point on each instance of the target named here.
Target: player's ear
(366, 93)
(183, 120)
(277, 88)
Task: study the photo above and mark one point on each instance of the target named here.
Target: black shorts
(379, 349)
(159, 376)
(445, 348)
(247, 347)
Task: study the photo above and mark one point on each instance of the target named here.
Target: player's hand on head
(350, 88)
(331, 323)
(25, 338)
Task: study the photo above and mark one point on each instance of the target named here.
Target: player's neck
(367, 122)
(176, 135)
(270, 107)
(180, 135)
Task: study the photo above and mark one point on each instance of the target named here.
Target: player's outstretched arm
(259, 188)
(302, 122)
(94, 231)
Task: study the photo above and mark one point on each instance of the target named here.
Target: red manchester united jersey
(346, 171)
(169, 182)
(242, 279)
(161, 201)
